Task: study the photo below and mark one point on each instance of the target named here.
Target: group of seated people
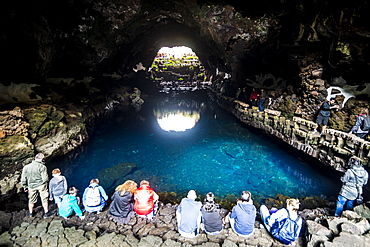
(284, 224)
(127, 200)
(191, 215)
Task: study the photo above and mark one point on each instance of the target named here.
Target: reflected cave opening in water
(218, 154)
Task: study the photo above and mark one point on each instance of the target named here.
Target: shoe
(48, 214)
(30, 215)
(314, 131)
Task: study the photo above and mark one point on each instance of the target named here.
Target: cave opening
(177, 68)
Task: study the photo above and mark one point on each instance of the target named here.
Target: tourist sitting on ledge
(122, 205)
(211, 219)
(69, 205)
(146, 201)
(94, 197)
(285, 225)
(243, 215)
(188, 216)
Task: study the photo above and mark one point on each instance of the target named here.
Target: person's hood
(37, 162)
(246, 207)
(359, 171)
(93, 185)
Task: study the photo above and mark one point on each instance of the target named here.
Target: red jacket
(144, 200)
(254, 95)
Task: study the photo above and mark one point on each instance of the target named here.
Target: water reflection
(178, 116)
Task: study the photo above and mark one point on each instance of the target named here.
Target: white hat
(192, 194)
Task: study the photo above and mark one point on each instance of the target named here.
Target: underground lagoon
(184, 141)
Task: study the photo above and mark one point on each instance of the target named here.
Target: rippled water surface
(219, 154)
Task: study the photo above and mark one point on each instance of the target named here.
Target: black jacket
(121, 205)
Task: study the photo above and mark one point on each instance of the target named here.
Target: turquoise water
(219, 154)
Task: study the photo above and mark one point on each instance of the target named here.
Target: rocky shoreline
(352, 229)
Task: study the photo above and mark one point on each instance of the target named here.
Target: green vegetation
(186, 65)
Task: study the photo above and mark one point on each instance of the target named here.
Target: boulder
(363, 211)
(356, 227)
(150, 241)
(114, 176)
(347, 239)
(317, 229)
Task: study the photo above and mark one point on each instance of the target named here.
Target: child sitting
(70, 204)
(94, 197)
(57, 187)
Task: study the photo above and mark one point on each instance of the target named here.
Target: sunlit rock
(14, 150)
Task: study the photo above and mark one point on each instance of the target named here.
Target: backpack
(365, 125)
(92, 197)
(286, 230)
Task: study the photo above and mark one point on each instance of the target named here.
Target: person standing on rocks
(353, 181)
(188, 216)
(57, 187)
(253, 97)
(243, 215)
(34, 180)
(324, 114)
(262, 98)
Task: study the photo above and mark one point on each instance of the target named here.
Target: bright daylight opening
(177, 51)
(177, 69)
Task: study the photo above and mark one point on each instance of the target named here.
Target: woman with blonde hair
(285, 225)
(122, 206)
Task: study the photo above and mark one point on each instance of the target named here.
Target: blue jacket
(357, 127)
(103, 199)
(245, 216)
(189, 210)
(57, 186)
(68, 206)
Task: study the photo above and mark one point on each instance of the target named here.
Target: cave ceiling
(41, 39)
